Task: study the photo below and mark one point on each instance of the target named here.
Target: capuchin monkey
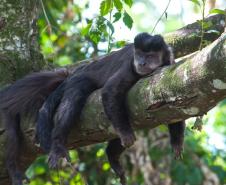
(62, 95)
(115, 74)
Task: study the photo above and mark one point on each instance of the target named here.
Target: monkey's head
(150, 53)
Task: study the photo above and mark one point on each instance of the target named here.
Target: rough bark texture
(19, 48)
(182, 92)
(190, 35)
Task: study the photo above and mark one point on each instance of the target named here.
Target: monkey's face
(147, 62)
(150, 53)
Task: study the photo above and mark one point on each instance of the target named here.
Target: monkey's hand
(127, 139)
(178, 150)
(57, 152)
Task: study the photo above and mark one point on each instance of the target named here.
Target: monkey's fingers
(123, 180)
(58, 152)
(53, 160)
(128, 140)
(178, 150)
(118, 169)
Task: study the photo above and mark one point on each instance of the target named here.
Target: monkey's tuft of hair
(141, 40)
(157, 43)
(147, 42)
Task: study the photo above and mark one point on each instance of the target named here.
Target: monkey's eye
(151, 55)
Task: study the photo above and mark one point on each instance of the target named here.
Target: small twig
(202, 23)
(46, 17)
(161, 17)
(109, 35)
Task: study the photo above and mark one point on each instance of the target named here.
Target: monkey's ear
(168, 56)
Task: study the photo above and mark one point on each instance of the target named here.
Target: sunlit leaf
(196, 2)
(129, 2)
(217, 11)
(106, 166)
(120, 44)
(128, 21)
(63, 60)
(118, 4)
(105, 7)
(86, 29)
(100, 153)
(73, 155)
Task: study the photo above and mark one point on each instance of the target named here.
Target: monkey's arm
(114, 101)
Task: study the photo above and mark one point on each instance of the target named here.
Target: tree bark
(19, 48)
(174, 93)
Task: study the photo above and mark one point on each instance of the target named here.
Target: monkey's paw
(128, 139)
(178, 150)
(55, 155)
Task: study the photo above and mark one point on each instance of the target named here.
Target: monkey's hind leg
(176, 131)
(14, 140)
(45, 121)
(114, 150)
(67, 115)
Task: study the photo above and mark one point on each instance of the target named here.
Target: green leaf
(129, 2)
(118, 5)
(85, 30)
(196, 2)
(105, 7)
(106, 166)
(120, 44)
(128, 21)
(117, 16)
(217, 11)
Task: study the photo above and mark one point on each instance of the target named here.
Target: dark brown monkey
(115, 74)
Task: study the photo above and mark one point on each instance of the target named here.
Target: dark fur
(24, 97)
(146, 42)
(114, 73)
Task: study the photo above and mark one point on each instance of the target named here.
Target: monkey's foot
(118, 169)
(127, 139)
(57, 152)
(178, 150)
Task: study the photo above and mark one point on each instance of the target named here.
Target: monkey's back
(102, 68)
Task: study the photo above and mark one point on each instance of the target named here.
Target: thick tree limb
(187, 39)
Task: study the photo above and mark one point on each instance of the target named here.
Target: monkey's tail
(45, 120)
(27, 95)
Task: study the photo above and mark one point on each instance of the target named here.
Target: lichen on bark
(19, 48)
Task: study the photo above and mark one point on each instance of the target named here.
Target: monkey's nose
(142, 63)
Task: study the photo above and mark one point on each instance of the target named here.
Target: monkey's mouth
(144, 71)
